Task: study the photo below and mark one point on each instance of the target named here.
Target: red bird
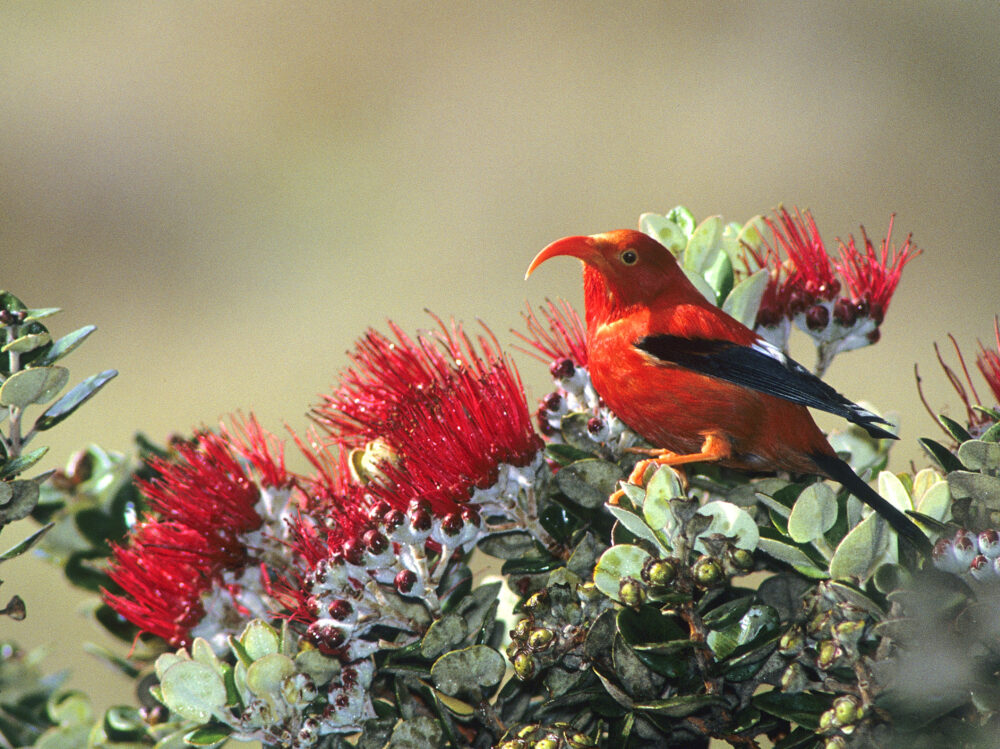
(691, 379)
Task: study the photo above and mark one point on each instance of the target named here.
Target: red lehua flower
(872, 276)
(204, 501)
(453, 439)
(388, 372)
(811, 277)
(988, 361)
(561, 336)
(449, 414)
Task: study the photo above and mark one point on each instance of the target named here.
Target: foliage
(338, 608)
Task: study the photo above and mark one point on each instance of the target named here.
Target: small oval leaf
(813, 514)
(589, 482)
(465, 670)
(35, 385)
(862, 549)
(616, 564)
(75, 398)
(193, 690)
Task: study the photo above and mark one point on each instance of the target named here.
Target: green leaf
(40, 313)
(513, 545)
(727, 613)
(589, 482)
(419, 732)
(26, 343)
(660, 490)
(616, 564)
(75, 398)
(730, 521)
(983, 489)
(941, 454)
(743, 302)
(460, 671)
(683, 218)
(64, 345)
(637, 526)
(791, 555)
(443, 634)
(35, 385)
(960, 433)
(936, 502)
(704, 246)
(27, 543)
(803, 708)
(664, 231)
(23, 499)
(758, 623)
(564, 454)
(977, 455)
(813, 514)
(266, 675)
(193, 690)
(680, 707)
(862, 549)
(20, 464)
(207, 735)
(699, 282)
(259, 639)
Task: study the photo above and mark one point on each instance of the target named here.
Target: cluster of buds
(838, 627)
(968, 553)
(554, 629)
(573, 413)
(538, 736)
(840, 302)
(373, 579)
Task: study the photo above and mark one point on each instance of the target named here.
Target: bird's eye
(629, 256)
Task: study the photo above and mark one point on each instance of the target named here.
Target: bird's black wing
(760, 367)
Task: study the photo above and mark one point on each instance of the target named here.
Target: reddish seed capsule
(349, 677)
(419, 504)
(405, 580)
(375, 542)
(874, 336)
(420, 520)
(325, 637)
(340, 610)
(552, 402)
(451, 524)
(470, 516)
(393, 519)
(562, 369)
(353, 552)
(844, 312)
(377, 511)
(594, 425)
(543, 423)
(817, 317)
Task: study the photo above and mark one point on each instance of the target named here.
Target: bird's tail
(839, 471)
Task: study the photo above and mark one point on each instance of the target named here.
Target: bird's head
(622, 268)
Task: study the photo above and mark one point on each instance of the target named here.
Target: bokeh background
(234, 191)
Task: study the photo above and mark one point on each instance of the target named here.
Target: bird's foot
(661, 457)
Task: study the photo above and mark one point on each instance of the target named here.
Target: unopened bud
(631, 592)
(524, 666)
(540, 638)
(707, 572)
(405, 580)
(817, 317)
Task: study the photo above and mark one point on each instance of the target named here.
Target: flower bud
(353, 552)
(451, 524)
(659, 572)
(538, 603)
(981, 568)
(325, 636)
(340, 610)
(581, 741)
(376, 511)
(420, 520)
(631, 592)
(540, 638)
(552, 402)
(562, 369)
(393, 519)
(847, 710)
(791, 643)
(375, 542)
(844, 312)
(827, 655)
(794, 679)
(524, 666)
(817, 317)
(707, 572)
(989, 543)
(547, 743)
(741, 559)
(405, 580)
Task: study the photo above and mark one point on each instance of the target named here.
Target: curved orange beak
(582, 248)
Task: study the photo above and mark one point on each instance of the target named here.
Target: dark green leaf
(85, 575)
(14, 466)
(727, 613)
(26, 544)
(123, 723)
(208, 735)
(680, 707)
(529, 566)
(443, 634)
(64, 345)
(26, 343)
(37, 385)
(467, 670)
(803, 708)
(513, 545)
(75, 398)
(960, 433)
(648, 627)
(800, 738)
(564, 454)
(941, 454)
(589, 482)
(636, 677)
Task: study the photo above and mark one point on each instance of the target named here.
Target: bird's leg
(715, 447)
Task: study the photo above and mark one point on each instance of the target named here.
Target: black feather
(762, 368)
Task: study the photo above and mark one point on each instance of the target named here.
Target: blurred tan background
(232, 192)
